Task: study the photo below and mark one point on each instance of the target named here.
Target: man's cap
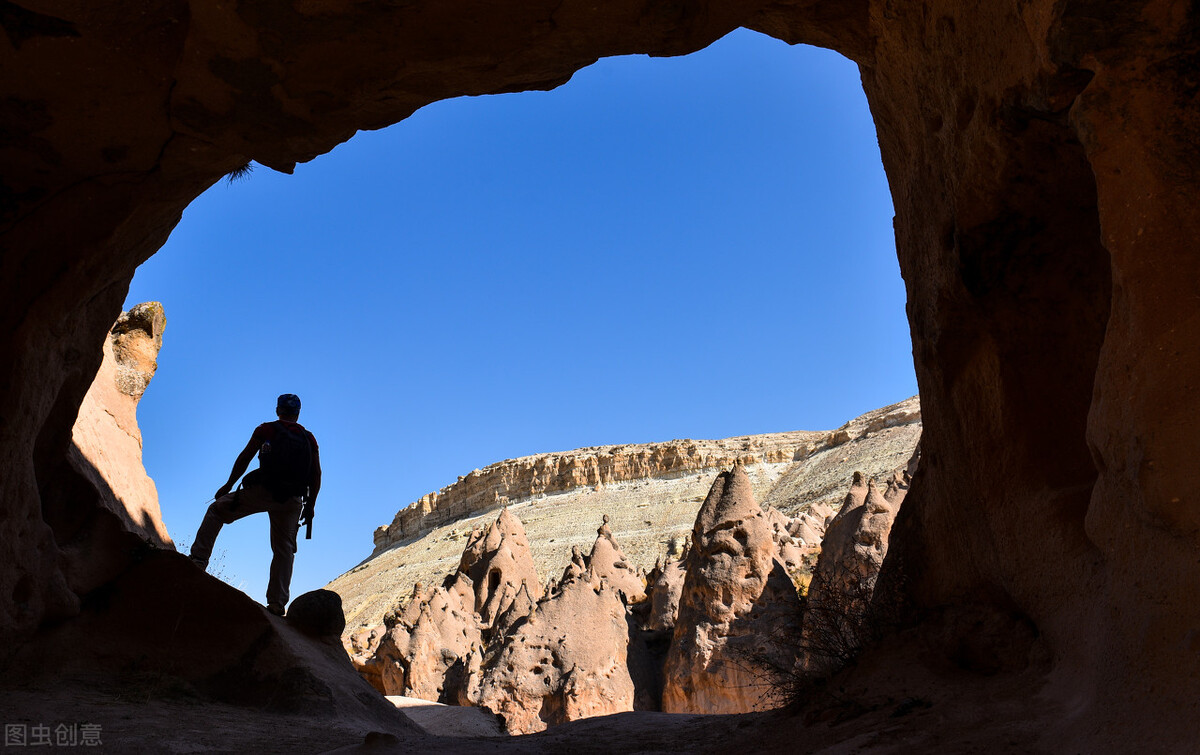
(288, 403)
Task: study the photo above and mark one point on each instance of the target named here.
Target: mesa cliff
(650, 492)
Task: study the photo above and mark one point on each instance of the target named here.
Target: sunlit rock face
(799, 477)
(567, 660)
(1040, 159)
(107, 443)
(417, 652)
(498, 561)
(737, 608)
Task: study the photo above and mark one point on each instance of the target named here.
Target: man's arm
(239, 466)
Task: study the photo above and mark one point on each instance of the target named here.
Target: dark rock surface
(1042, 160)
(318, 613)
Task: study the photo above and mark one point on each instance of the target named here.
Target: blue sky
(693, 247)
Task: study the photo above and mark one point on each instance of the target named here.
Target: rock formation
(106, 441)
(607, 562)
(1040, 156)
(567, 661)
(318, 613)
(517, 480)
(666, 587)
(421, 646)
(838, 611)
(738, 608)
(649, 516)
(499, 563)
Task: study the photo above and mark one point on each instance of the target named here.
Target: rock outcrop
(839, 614)
(666, 587)
(649, 516)
(515, 481)
(566, 661)
(420, 647)
(1040, 157)
(499, 564)
(738, 609)
(106, 441)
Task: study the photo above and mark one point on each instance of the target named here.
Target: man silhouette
(285, 485)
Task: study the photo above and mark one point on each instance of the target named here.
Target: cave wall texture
(1042, 157)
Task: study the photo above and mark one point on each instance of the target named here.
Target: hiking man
(285, 485)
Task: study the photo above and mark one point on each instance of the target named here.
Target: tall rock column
(107, 443)
(738, 613)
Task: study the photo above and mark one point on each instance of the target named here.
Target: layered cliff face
(1040, 156)
(801, 474)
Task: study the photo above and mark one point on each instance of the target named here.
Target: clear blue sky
(692, 247)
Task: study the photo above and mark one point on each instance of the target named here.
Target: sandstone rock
(607, 562)
(520, 608)
(649, 516)
(414, 659)
(666, 586)
(567, 661)
(577, 568)
(738, 608)
(107, 443)
(1039, 157)
(837, 618)
(498, 562)
(318, 613)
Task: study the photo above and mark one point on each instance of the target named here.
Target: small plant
(239, 173)
(216, 565)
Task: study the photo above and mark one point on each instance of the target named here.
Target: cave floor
(892, 708)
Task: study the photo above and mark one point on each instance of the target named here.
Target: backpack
(285, 463)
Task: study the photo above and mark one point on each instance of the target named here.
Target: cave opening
(504, 275)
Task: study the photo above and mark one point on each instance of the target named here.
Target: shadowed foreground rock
(1041, 159)
(168, 613)
(318, 613)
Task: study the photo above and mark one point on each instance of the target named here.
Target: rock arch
(1043, 165)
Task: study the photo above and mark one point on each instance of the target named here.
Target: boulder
(318, 613)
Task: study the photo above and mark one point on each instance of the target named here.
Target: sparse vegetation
(216, 565)
(240, 173)
(836, 628)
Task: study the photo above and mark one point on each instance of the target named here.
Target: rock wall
(1041, 156)
(518, 480)
(738, 608)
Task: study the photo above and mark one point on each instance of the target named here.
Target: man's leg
(285, 523)
(226, 509)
